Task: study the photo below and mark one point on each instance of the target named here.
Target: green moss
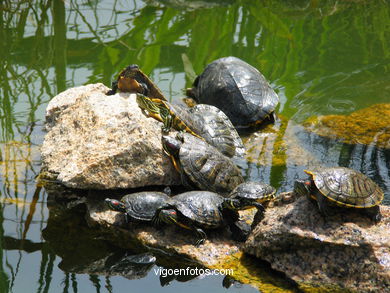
(369, 126)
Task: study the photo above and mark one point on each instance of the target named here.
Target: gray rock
(96, 141)
(343, 251)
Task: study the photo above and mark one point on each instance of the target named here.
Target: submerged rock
(343, 251)
(96, 141)
(369, 126)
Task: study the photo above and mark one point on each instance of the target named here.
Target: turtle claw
(165, 129)
(199, 242)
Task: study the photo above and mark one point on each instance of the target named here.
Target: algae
(368, 126)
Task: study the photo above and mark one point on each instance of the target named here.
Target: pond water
(322, 57)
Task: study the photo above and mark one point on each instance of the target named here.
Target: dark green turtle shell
(215, 127)
(347, 187)
(238, 89)
(202, 208)
(206, 167)
(141, 206)
(253, 190)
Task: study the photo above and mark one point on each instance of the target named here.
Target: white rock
(96, 141)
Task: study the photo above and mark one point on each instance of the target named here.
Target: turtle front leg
(167, 120)
(374, 213)
(114, 88)
(322, 205)
(201, 236)
(259, 216)
(240, 231)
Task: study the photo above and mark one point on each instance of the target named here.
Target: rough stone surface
(96, 141)
(345, 250)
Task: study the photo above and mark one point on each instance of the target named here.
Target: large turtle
(238, 89)
(203, 121)
(131, 79)
(202, 165)
(343, 187)
(140, 206)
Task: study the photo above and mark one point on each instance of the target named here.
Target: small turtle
(343, 187)
(203, 121)
(201, 164)
(132, 79)
(238, 89)
(140, 206)
(250, 194)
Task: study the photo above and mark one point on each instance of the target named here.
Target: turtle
(173, 116)
(201, 165)
(251, 194)
(198, 210)
(216, 128)
(132, 79)
(203, 121)
(140, 206)
(238, 89)
(343, 187)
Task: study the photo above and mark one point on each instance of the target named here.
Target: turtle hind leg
(374, 213)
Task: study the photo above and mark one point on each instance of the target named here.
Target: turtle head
(302, 187)
(242, 203)
(171, 145)
(115, 205)
(168, 216)
(129, 81)
(130, 71)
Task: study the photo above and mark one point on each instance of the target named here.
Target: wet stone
(344, 251)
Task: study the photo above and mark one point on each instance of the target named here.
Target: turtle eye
(172, 213)
(307, 183)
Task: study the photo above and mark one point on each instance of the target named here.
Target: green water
(322, 57)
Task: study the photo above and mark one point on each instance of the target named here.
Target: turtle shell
(183, 118)
(203, 208)
(254, 190)
(207, 167)
(214, 126)
(347, 187)
(238, 89)
(143, 205)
